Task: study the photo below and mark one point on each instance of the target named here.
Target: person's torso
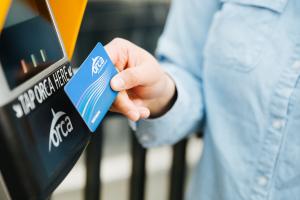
(252, 95)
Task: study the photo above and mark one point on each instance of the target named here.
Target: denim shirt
(236, 65)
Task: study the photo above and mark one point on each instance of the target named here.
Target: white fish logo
(61, 126)
(98, 63)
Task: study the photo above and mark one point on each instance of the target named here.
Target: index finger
(118, 51)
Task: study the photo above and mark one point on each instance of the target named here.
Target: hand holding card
(89, 89)
(144, 86)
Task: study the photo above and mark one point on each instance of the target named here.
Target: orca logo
(61, 127)
(98, 63)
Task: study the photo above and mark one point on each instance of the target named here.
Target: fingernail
(118, 83)
(134, 115)
(145, 113)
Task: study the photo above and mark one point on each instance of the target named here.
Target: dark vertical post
(93, 162)
(178, 171)
(138, 174)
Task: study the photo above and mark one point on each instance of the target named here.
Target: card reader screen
(29, 42)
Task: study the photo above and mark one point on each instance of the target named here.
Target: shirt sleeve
(180, 52)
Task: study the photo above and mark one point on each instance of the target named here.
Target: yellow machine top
(68, 15)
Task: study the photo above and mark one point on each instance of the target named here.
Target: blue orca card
(89, 89)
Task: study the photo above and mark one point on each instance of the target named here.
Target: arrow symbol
(18, 110)
(70, 71)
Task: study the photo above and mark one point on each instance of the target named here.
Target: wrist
(165, 102)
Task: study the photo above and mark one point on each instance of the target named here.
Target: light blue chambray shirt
(236, 64)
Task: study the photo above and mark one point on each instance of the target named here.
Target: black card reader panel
(41, 138)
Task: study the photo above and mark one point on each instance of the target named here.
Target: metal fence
(138, 175)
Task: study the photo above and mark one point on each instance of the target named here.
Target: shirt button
(278, 124)
(145, 138)
(262, 181)
(296, 65)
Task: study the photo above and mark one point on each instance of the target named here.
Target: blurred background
(115, 166)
